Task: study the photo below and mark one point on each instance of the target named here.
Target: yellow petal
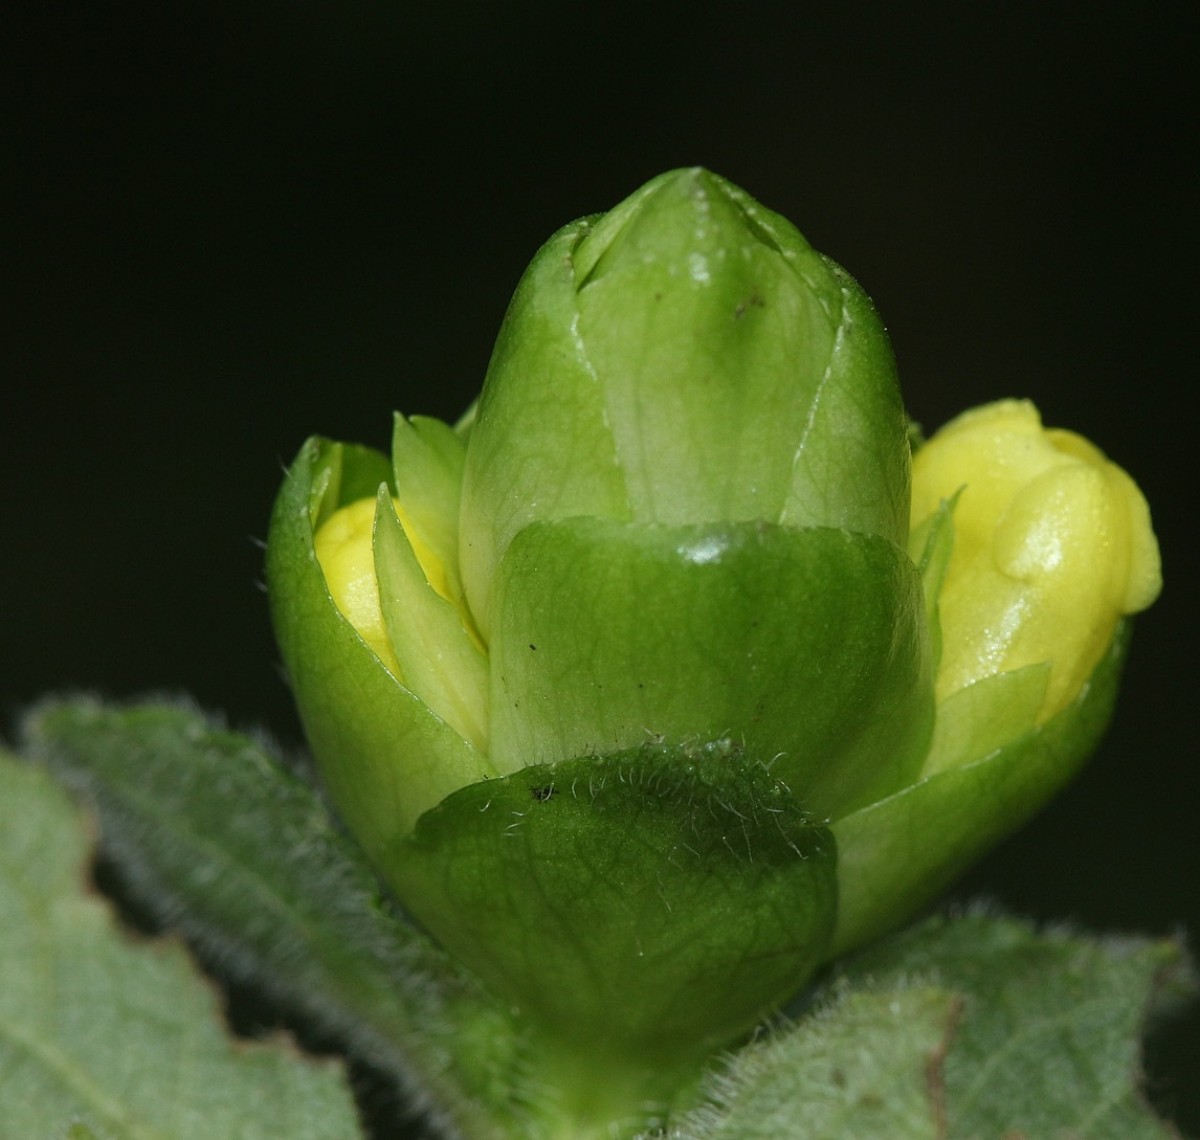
(344, 553)
(1052, 545)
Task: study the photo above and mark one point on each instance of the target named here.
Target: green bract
(626, 683)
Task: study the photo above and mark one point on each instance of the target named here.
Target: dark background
(230, 225)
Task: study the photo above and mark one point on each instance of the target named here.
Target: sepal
(808, 645)
(384, 755)
(642, 907)
(898, 854)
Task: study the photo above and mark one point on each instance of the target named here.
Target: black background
(231, 225)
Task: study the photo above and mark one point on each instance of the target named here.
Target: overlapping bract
(679, 519)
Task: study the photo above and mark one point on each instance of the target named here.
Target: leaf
(110, 1040)
(974, 1028)
(1048, 1041)
(858, 1070)
(216, 838)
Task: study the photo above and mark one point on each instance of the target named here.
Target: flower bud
(686, 359)
(690, 460)
(627, 682)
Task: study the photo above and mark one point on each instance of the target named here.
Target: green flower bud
(688, 358)
(635, 685)
(689, 443)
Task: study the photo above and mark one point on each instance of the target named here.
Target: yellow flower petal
(1052, 545)
(344, 553)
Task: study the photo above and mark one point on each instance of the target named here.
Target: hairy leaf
(110, 1040)
(214, 836)
(973, 1028)
(859, 1070)
(1049, 1039)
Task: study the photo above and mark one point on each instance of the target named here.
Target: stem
(586, 1096)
